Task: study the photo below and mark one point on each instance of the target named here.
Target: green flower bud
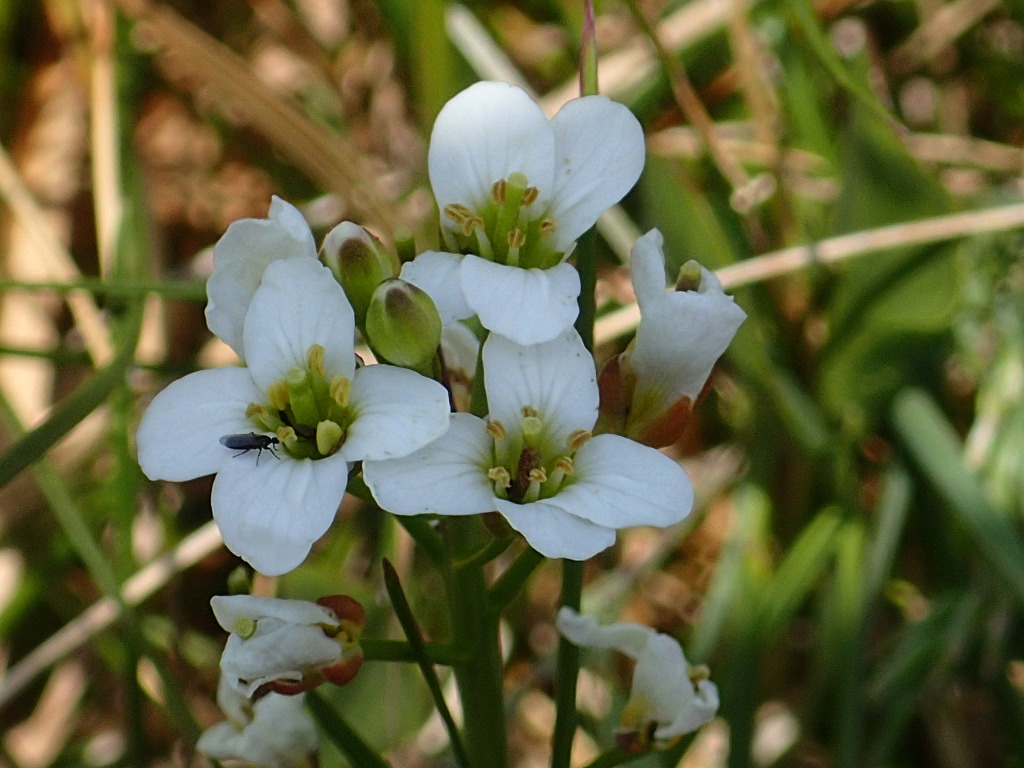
(403, 325)
(360, 262)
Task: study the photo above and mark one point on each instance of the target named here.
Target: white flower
(272, 732)
(516, 190)
(301, 388)
(288, 646)
(240, 258)
(534, 460)
(667, 695)
(681, 335)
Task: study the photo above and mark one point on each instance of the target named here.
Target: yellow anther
(458, 212)
(254, 410)
(529, 411)
(244, 627)
(565, 465)
(577, 439)
(277, 395)
(516, 239)
(530, 196)
(340, 389)
(286, 435)
(500, 476)
(698, 673)
(547, 226)
(328, 437)
(496, 430)
(538, 475)
(498, 191)
(315, 359)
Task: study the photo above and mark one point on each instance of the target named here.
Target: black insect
(244, 443)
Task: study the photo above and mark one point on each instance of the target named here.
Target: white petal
(270, 515)
(661, 679)
(397, 411)
(298, 304)
(179, 436)
(628, 638)
(227, 609)
(599, 156)
(529, 306)
(240, 258)
(482, 135)
(556, 377)
(280, 735)
(647, 267)
(447, 477)
(437, 273)
(286, 652)
(461, 349)
(620, 483)
(555, 533)
(681, 336)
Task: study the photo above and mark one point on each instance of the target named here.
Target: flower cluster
(511, 418)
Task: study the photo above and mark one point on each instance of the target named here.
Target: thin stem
(568, 667)
(412, 631)
(505, 589)
(614, 757)
(479, 677)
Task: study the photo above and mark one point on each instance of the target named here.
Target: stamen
(287, 436)
(501, 478)
(498, 191)
(340, 389)
(277, 395)
(547, 227)
(483, 242)
(328, 437)
(562, 467)
(577, 439)
(516, 240)
(699, 673)
(458, 213)
(315, 359)
(496, 430)
(537, 478)
(529, 410)
(530, 196)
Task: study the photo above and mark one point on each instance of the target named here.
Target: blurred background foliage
(854, 570)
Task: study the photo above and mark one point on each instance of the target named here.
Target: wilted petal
(179, 436)
(228, 609)
(619, 483)
(484, 134)
(447, 477)
(437, 273)
(270, 515)
(529, 306)
(556, 377)
(626, 637)
(298, 304)
(647, 267)
(240, 258)
(397, 411)
(554, 532)
(599, 156)
(661, 680)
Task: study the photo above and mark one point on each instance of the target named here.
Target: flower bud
(403, 325)
(360, 262)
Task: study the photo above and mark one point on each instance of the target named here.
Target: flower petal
(554, 532)
(228, 609)
(286, 652)
(647, 267)
(529, 306)
(482, 135)
(661, 680)
(298, 304)
(240, 258)
(447, 477)
(179, 436)
(628, 638)
(437, 273)
(620, 483)
(270, 515)
(599, 156)
(556, 377)
(397, 411)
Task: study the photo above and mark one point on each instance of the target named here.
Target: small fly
(251, 442)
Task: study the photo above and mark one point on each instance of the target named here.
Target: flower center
(309, 412)
(528, 467)
(503, 229)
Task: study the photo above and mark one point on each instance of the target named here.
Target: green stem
(507, 586)
(567, 671)
(341, 733)
(479, 677)
(614, 757)
(445, 654)
(586, 265)
(412, 631)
